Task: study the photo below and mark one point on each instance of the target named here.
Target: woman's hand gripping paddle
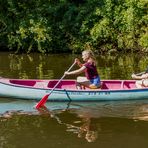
(45, 98)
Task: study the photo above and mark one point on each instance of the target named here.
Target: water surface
(105, 124)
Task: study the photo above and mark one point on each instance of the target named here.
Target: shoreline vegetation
(69, 26)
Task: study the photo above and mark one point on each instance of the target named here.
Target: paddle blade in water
(42, 101)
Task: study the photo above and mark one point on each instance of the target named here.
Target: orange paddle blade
(42, 101)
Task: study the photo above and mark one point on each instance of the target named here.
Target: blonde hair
(91, 54)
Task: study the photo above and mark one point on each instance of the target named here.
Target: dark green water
(110, 124)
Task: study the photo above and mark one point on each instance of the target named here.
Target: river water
(105, 124)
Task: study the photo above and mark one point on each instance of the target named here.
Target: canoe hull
(98, 95)
(33, 93)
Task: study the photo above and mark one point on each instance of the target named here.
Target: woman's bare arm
(78, 71)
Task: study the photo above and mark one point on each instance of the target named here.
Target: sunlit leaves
(144, 40)
(36, 31)
(100, 30)
(66, 25)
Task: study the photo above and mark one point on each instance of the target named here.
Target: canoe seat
(88, 88)
(70, 84)
(122, 84)
(41, 84)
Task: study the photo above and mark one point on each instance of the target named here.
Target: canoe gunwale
(77, 90)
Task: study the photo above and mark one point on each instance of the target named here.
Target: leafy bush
(69, 25)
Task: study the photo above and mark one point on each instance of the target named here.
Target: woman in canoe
(92, 78)
(142, 80)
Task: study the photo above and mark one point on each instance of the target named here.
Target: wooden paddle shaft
(141, 73)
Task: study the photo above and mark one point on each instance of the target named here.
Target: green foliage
(33, 33)
(69, 25)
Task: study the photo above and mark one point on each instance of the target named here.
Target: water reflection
(82, 128)
(52, 66)
(87, 121)
(123, 109)
(35, 65)
(84, 116)
(87, 131)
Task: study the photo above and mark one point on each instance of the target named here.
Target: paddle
(44, 99)
(141, 73)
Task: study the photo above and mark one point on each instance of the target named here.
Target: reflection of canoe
(66, 90)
